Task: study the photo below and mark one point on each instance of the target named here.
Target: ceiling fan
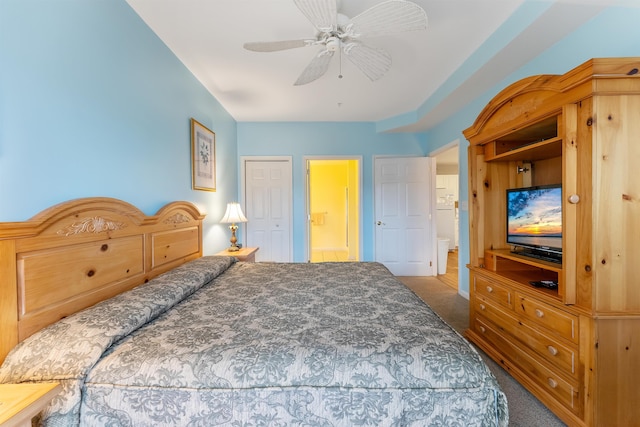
(338, 33)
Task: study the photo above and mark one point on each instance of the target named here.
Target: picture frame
(203, 157)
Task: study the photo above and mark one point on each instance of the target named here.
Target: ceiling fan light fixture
(335, 30)
(333, 44)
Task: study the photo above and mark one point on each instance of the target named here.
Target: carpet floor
(524, 409)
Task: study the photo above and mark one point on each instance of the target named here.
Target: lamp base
(234, 247)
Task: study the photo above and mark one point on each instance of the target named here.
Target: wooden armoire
(576, 347)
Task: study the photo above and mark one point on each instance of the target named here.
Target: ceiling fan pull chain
(340, 46)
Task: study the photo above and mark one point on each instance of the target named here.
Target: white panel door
(403, 204)
(268, 208)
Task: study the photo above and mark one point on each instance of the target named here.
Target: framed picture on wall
(203, 157)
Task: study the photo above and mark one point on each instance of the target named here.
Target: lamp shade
(233, 214)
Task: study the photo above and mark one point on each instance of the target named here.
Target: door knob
(379, 223)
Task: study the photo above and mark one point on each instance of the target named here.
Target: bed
(169, 337)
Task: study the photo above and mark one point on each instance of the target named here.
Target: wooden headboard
(77, 253)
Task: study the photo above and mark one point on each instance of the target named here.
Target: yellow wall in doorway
(334, 206)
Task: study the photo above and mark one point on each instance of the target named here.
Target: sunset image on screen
(535, 213)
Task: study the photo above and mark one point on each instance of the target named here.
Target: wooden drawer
(555, 320)
(561, 356)
(494, 291)
(562, 390)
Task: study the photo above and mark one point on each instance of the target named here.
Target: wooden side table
(244, 254)
(19, 403)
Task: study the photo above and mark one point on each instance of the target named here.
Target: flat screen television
(534, 221)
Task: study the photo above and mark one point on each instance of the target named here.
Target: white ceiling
(208, 37)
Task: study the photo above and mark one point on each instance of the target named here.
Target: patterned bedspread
(333, 344)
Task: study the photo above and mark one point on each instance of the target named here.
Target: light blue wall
(313, 139)
(92, 103)
(613, 33)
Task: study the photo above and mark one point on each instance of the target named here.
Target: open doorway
(447, 224)
(333, 207)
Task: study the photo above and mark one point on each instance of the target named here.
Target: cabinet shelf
(497, 254)
(505, 151)
(522, 270)
(537, 141)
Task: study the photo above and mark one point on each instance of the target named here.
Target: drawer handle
(489, 289)
(539, 313)
(552, 383)
(552, 350)
(482, 329)
(482, 307)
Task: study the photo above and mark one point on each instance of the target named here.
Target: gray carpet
(524, 409)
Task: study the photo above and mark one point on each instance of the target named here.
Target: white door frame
(432, 210)
(434, 153)
(288, 159)
(307, 235)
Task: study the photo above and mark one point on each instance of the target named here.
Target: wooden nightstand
(244, 254)
(19, 403)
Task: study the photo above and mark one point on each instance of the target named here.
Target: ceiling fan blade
(389, 17)
(316, 68)
(374, 63)
(322, 13)
(275, 46)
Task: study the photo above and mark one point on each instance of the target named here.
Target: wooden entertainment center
(577, 347)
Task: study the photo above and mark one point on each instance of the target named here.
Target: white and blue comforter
(217, 343)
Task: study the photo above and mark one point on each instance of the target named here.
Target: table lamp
(232, 216)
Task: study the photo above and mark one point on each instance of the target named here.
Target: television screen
(534, 218)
